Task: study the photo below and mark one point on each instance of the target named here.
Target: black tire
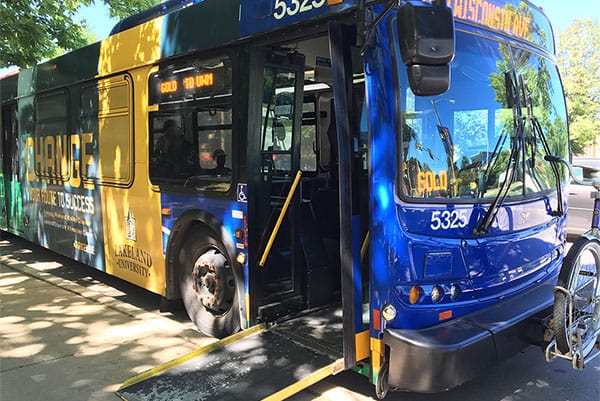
(207, 284)
(572, 279)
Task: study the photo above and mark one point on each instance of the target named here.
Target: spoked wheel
(382, 386)
(580, 277)
(207, 285)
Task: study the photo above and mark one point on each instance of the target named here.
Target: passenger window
(191, 143)
(193, 148)
(51, 128)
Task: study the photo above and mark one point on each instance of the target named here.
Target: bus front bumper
(446, 355)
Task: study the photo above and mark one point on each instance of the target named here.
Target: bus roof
(185, 26)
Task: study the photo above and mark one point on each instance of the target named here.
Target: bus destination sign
(186, 83)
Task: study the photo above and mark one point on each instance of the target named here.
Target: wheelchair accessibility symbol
(242, 195)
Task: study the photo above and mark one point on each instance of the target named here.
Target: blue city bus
(377, 165)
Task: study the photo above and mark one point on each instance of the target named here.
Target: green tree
(33, 30)
(579, 63)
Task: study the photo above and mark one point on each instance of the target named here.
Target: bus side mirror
(426, 32)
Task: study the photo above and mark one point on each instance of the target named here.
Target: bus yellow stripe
(362, 345)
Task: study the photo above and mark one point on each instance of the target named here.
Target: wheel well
(186, 223)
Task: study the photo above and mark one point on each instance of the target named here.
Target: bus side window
(168, 145)
(51, 111)
(214, 132)
(190, 144)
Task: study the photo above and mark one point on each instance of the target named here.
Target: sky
(99, 23)
(563, 12)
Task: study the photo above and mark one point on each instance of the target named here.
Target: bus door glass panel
(278, 120)
(545, 110)
(106, 113)
(456, 145)
(278, 155)
(308, 137)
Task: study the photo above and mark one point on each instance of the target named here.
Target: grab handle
(284, 209)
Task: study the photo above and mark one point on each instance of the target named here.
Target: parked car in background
(580, 203)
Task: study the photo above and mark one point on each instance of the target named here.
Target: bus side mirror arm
(426, 35)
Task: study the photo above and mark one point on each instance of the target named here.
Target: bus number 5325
(281, 8)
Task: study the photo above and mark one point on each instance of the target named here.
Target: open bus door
(290, 280)
(276, 95)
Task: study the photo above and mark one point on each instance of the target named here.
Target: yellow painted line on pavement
(308, 381)
(204, 350)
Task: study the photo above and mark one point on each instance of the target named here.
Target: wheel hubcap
(212, 281)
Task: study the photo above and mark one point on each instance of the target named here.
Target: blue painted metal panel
(386, 234)
(226, 216)
(265, 15)
(519, 251)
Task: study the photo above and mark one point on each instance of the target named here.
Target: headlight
(388, 312)
(455, 292)
(437, 293)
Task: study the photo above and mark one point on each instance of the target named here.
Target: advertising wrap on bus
(64, 205)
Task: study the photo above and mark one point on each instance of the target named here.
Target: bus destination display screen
(188, 83)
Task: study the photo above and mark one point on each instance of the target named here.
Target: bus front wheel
(207, 284)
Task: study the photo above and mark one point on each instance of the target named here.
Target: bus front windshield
(457, 146)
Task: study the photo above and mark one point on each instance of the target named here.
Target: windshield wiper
(447, 143)
(538, 132)
(509, 174)
(491, 159)
(513, 159)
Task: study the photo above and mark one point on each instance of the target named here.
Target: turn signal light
(416, 293)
